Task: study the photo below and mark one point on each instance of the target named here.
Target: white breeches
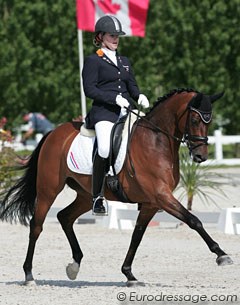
(103, 132)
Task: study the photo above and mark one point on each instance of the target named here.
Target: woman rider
(109, 81)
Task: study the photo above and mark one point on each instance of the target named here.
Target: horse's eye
(195, 121)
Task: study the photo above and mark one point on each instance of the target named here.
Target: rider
(108, 79)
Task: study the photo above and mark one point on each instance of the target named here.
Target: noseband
(190, 139)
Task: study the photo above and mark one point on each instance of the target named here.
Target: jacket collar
(104, 56)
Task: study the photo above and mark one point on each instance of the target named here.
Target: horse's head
(199, 116)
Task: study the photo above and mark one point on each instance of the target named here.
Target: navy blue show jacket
(102, 82)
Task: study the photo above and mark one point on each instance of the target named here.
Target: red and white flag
(131, 13)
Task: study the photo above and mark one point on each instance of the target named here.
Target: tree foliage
(187, 44)
(39, 58)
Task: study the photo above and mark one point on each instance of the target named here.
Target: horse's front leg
(195, 224)
(175, 208)
(144, 217)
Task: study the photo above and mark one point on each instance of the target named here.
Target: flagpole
(83, 97)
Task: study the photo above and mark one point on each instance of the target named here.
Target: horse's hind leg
(42, 206)
(177, 210)
(144, 217)
(67, 218)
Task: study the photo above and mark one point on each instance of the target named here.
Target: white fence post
(218, 140)
(218, 145)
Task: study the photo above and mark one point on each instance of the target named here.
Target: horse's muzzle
(199, 158)
(197, 146)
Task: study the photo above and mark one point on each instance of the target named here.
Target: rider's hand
(143, 101)
(121, 101)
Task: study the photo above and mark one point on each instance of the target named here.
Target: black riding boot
(100, 168)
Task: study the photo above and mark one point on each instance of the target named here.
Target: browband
(205, 116)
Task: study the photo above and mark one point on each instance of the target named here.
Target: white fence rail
(205, 217)
(123, 216)
(219, 140)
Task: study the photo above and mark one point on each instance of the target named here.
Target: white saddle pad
(79, 159)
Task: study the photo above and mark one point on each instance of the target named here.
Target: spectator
(5, 135)
(3, 122)
(38, 123)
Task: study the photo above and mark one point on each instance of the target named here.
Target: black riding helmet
(109, 24)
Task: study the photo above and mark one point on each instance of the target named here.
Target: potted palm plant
(197, 180)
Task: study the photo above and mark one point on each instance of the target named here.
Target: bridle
(191, 139)
(187, 138)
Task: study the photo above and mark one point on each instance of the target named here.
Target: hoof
(72, 270)
(31, 283)
(224, 260)
(135, 284)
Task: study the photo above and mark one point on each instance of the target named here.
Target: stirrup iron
(105, 205)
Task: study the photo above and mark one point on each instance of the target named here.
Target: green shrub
(8, 170)
(197, 180)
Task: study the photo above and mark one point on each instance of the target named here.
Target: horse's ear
(215, 97)
(196, 100)
(198, 97)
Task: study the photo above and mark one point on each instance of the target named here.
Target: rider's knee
(103, 152)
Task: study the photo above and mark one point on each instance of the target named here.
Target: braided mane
(172, 92)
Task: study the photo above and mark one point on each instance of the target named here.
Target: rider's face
(110, 41)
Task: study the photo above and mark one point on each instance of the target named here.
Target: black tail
(19, 201)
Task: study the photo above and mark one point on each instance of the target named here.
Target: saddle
(116, 138)
(115, 142)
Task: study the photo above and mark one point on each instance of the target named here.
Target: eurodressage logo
(133, 298)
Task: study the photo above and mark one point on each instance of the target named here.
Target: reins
(132, 171)
(188, 139)
(156, 127)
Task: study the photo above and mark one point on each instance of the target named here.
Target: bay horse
(149, 175)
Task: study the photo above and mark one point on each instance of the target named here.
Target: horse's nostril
(199, 158)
